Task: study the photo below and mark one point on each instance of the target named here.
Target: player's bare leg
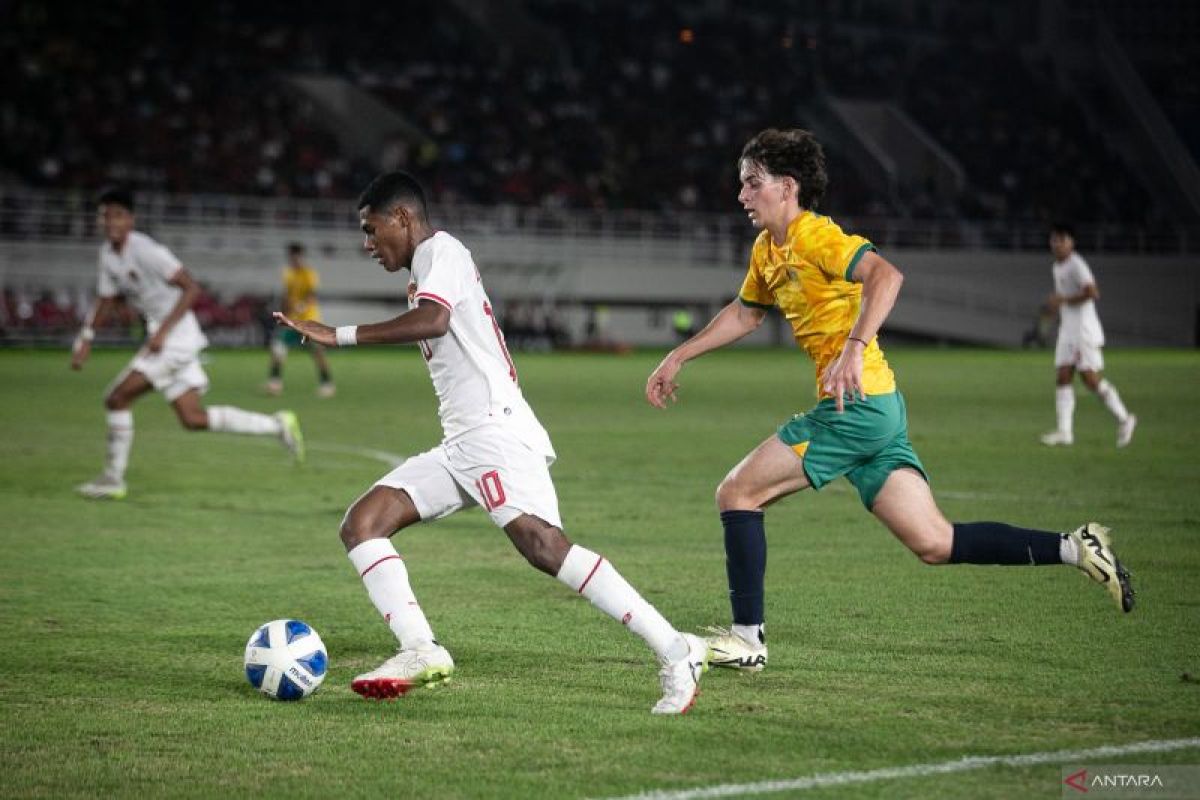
(543, 545)
(325, 387)
(190, 411)
(770, 472)
(279, 353)
(1107, 394)
(1064, 408)
(683, 656)
(228, 419)
(766, 475)
(110, 484)
(906, 506)
(366, 533)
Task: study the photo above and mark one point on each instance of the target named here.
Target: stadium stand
(193, 102)
(602, 133)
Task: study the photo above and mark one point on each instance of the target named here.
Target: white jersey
(473, 374)
(1077, 323)
(140, 272)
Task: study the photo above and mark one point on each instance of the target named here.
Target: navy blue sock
(998, 543)
(745, 564)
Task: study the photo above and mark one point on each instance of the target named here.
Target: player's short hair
(795, 153)
(1063, 228)
(391, 189)
(116, 195)
(295, 249)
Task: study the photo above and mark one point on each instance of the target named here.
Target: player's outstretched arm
(429, 320)
(881, 285)
(730, 324)
(316, 331)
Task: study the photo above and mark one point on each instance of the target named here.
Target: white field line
(822, 780)
(394, 460)
(391, 459)
(840, 487)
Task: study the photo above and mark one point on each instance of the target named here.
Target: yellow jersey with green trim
(809, 279)
(300, 293)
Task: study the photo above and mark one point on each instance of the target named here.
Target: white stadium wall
(982, 296)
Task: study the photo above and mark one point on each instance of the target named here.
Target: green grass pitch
(124, 623)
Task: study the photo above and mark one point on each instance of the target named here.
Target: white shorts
(173, 372)
(1084, 357)
(488, 466)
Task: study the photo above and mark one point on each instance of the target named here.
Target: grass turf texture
(125, 622)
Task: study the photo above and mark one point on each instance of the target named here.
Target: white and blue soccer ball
(286, 660)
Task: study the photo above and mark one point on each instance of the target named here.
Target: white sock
(597, 580)
(1108, 393)
(120, 441)
(753, 634)
(227, 419)
(1064, 404)
(1068, 551)
(386, 578)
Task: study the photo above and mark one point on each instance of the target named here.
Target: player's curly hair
(794, 152)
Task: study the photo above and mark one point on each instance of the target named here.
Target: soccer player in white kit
(1080, 342)
(494, 454)
(156, 283)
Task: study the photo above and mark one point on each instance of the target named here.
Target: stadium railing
(43, 215)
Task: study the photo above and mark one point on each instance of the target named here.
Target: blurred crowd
(176, 97)
(31, 315)
(34, 315)
(640, 105)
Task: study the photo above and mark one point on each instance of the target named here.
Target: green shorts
(288, 337)
(866, 443)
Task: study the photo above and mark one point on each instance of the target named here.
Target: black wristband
(856, 339)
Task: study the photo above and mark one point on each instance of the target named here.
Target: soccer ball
(286, 660)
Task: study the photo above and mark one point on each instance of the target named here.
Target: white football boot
(1125, 430)
(681, 679)
(1058, 439)
(428, 665)
(1100, 563)
(727, 649)
(104, 487)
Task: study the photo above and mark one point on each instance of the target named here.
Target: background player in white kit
(153, 280)
(495, 454)
(1080, 342)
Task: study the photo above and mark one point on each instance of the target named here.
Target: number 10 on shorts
(491, 490)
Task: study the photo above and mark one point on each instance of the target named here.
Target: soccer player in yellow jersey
(300, 283)
(836, 291)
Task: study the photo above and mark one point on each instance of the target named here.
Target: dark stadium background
(954, 131)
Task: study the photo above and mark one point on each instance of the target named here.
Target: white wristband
(87, 333)
(347, 335)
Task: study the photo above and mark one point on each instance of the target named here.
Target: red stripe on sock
(599, 561)
(376, 564)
